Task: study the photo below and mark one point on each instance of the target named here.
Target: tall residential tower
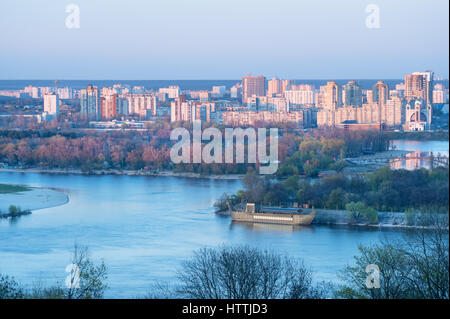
(253, 85)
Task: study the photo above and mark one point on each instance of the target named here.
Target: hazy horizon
(221, 79)
(200, 39)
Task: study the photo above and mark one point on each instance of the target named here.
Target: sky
(222, 39)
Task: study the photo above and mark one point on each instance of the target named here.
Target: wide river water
(143, 227)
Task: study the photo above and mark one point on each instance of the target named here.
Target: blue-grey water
(437, 147)
(143, 227)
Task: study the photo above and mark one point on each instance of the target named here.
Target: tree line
(411, 192)
(149, 149)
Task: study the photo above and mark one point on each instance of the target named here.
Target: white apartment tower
(51, 104)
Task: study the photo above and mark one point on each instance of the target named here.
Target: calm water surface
(143, 227)
(438, 147)
(420, 153)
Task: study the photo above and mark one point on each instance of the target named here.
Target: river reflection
(263, 227)
(424, 154)
(416, 160)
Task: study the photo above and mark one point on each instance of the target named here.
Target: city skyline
(202, 40)
(406, 105)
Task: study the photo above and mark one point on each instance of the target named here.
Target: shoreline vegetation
(386, 220)
(14, 212)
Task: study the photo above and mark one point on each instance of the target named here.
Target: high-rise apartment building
(393, 112)
(427, 85)
(65, 93)
(380, 93)
(51, 104)
(172, 91)
(274, 87)
(300, 96)
(419, 86)
(253, 85)
(439, 94)
(286, 85)
(142, 104)
(235, 91)
(353, 94)
(32, 91)
(178, 111)
(90, 103)
(201, 111)
(122, 106)
(218, 91)
(331, 102)
(108, 106)
(414, 86)
(332, 96)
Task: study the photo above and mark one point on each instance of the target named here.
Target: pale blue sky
(222, 39)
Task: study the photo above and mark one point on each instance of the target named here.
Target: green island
(13, 210)
(350, 197)
(7, 188)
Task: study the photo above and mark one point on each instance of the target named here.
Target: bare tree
(243, 272)
(428, 251)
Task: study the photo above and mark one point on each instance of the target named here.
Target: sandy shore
(121, 172)
(36, 198)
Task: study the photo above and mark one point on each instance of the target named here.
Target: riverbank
(32, 199)
(122, 172)
(341, 218)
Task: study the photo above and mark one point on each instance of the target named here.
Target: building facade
(51, 105)
(90, 103)
(253, 85)
(352, 94)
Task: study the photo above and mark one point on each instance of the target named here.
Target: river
(143, 227)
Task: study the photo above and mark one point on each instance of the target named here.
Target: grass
(6, 188)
